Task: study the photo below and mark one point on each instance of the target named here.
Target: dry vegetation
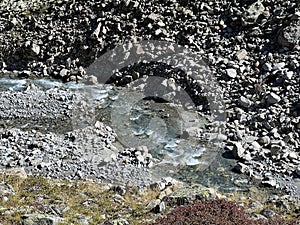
(99, 203)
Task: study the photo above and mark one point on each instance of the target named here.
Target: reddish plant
(214, 212)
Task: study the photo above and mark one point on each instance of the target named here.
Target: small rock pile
(136, 156)
(81, 154)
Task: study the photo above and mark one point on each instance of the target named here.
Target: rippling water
(159, 126)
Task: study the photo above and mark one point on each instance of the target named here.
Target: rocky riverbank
(251, 48)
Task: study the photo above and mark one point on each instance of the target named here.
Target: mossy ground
(95, 202)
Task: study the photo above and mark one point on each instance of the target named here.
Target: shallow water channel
(173, 134)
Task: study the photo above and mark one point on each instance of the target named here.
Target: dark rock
(241, 168)
(273, 98)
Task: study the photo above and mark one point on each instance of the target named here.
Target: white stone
(245, 102)
(231, 73)
(293, 155)
(36, 48)
(256, 145)
(241, 54)
(279, 66)
(63, 72)
(289, 74)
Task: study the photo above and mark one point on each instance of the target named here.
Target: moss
(98, 202)
(78, 198)
(290, 209)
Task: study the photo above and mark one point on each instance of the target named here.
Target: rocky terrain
(250, 47)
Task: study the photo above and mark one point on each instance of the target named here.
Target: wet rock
(92, 80)
(190, 132)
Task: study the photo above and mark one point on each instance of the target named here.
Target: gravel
(251, 47)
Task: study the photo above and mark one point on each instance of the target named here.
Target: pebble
(273, 98)
(293, 155)
(63, 72)
(275, 149)
(241, 168)
(265, 140)
(238, 150)
(256, 146)
(278, 66)
(267, 67)
(231, 73)
(241, 54)
(35, 48)
(245, 102)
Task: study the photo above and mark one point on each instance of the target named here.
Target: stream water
(160, 126)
